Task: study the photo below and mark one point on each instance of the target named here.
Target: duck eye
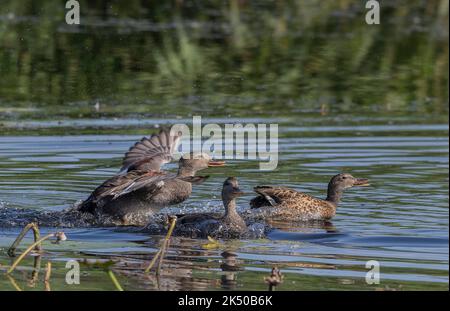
(344, 177)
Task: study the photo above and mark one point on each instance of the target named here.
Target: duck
(228, 225)
(286, 204)
(141, 188)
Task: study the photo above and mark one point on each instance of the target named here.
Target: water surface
(371, 100)
(400, 221)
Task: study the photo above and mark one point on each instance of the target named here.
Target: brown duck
(282, 203)
(227, 225)
(142, 189)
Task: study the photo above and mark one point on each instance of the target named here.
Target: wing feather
(150, 153)
(120, 185)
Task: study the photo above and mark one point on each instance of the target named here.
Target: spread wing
(150, 153)
(151, 180)
(120, 185)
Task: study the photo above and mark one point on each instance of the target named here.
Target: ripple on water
(401, 220)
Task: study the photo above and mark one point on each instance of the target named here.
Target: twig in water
(14, 284)
(60, 236)
(152, 263)
(274, 279)
(161, 251)
(35, 274)
(172, 221)
(115, 281)
(48, 273)
(31, 226)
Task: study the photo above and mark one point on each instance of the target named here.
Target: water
(371, 100)
(401, 220)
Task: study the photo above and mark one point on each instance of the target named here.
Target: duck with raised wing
(281, 203)
(142, 189)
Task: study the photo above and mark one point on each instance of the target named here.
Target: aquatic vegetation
(212, 244)
(59, 236)
(160, 254)
(36, 233)
(115, 281)
(274, 279)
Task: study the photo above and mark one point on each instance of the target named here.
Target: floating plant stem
(115, 281)
(275, 279)
(14, 283)
(160, 253)
(60, 236)
(35, 273)
(152, 263)
(211, 244)
(48, 273)
(173, 221)
(31, 226)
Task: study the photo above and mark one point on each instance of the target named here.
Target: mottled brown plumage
(288, 204)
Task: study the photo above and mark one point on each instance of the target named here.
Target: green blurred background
(222, 58)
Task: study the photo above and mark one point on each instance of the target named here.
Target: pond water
(370, 100)
(401, 220)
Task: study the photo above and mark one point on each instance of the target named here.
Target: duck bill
(361, 182)
(238, 192)
(216, 163)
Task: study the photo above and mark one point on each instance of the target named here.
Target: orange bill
(216, 163)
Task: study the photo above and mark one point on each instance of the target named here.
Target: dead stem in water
(114, 280)
(60, 236)
(36, 233)
(35, 274)
(48, 273)
(14, 283)
(162, 250)
(275, 278)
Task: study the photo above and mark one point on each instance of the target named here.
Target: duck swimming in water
(228, 225)
(129, 198)
(281, 203)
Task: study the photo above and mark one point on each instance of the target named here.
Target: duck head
(194, 162)
(230, 189)
(344, 181)
(341, 182)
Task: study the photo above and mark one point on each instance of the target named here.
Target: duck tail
(264, 198)
(87, 206)
(261, 190)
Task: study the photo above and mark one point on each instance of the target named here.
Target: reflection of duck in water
(229, 266)
(308, 226)
(144, 189)
(282, 203)
(230, 224)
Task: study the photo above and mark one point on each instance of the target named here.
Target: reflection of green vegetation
(236, 57)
